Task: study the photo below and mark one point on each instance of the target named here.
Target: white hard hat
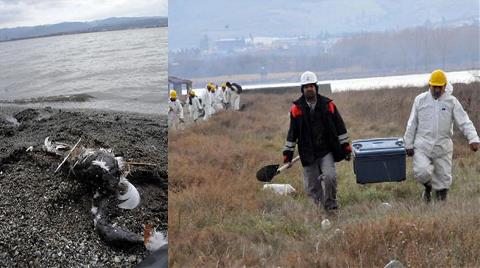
(308, 78)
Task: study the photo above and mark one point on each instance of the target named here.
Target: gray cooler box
(379, 160)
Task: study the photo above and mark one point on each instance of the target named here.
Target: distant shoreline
(81, 32)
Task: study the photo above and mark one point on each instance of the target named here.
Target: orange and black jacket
(302, 130)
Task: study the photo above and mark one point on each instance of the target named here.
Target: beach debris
(336, 234)
(12, 120)
(339, 232)
(394, 264)
(26, 115)
(282, 189)
(326, 224)
(386, 206)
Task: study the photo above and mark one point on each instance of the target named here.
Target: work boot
(427, 192)
(331, 211)
(441, 195)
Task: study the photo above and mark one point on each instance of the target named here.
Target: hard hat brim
(436, 84)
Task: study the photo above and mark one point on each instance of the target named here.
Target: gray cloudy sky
(15, 13)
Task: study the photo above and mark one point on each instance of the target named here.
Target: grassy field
(220, 217)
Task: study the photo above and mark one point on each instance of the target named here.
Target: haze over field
(191, 20)
(274, 41)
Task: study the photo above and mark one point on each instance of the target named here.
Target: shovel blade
(267, 173)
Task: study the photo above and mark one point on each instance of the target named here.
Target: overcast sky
(15, 13)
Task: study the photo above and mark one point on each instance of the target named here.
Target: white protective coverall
(175, 113)
(218, 100)
(235, 100)
(226, 97)
(194, 107)
(429, 132)
(207, 105)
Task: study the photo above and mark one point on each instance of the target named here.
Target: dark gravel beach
(45, 218)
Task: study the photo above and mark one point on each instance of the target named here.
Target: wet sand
(45, 218)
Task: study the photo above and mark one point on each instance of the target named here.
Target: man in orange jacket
(322, 138)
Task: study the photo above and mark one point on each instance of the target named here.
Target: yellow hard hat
(173, 94)
(224, 85)
(191, 93)
(213, 88)
(438, 78)
(209, 85)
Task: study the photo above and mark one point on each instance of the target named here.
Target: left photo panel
(83, 133)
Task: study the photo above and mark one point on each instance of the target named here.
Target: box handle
(357, 146)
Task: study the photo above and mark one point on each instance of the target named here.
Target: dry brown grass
(220, 217)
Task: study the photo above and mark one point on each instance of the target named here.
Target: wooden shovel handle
(282, 168)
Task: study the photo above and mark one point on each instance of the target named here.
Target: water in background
(121, 70)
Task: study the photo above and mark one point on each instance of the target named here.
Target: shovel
(267, 173)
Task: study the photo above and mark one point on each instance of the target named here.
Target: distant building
(180, 85)
(230, 44)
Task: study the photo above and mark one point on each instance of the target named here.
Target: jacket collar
(302, 101)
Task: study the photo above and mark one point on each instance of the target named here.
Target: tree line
(412, 50)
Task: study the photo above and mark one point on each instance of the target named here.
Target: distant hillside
(232, 19)
(110, 24)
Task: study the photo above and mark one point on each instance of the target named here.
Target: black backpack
(238, 88)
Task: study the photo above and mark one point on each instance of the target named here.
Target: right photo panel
(323, 133)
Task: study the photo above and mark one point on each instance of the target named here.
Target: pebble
(132, 258)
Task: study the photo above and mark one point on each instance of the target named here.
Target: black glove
(410, 152)
(287, 156)
(348, 151)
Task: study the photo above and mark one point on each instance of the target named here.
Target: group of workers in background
(214, 100)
